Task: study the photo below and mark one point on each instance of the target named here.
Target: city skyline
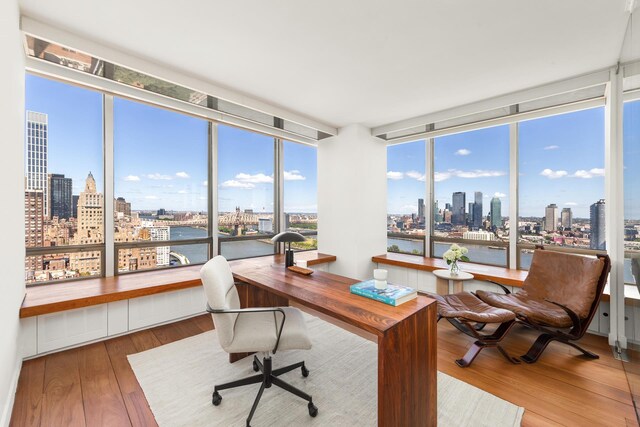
(550, 171)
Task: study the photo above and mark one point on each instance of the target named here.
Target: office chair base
(266, 379)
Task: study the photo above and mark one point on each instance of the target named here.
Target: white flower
(465, 251)
(455, 247)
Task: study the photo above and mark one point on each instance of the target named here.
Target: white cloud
(551, 174)
(463, 152)
(416, 175)
(205, 183)
(183, 192)
(258, 178)
(183, 175)
(132, 178)
(293, 175)
(151, 197)
(232, 183)
(157, 176)
(591, 173)
(476, 173)
(499, 194)
(394, 175)
(551, 147)
(571, 203)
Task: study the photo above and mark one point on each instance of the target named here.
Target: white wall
(12, 196)
(352, 200)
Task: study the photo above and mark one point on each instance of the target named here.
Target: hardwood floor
(95, 386)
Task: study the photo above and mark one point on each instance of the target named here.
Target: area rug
(178, 379)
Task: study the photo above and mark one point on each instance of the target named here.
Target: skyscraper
(458, 210)
(437, 216)
(90, 214)
(74, 202)
(496, 212)
(551, 217)
(37, 155)
(60, 196)
(477, 210)
(90, 229)
(597, 226)
(470, 214)
(421, 210)
(566, 218)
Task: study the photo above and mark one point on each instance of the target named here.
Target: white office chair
(248, 330)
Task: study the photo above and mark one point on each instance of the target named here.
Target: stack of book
(392, 294)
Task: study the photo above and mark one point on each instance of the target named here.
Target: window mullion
(109, 253)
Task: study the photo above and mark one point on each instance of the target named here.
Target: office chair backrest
(221, 294)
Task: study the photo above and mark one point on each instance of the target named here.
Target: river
(485, 255)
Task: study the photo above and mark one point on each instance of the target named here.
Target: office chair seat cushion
(259, 332)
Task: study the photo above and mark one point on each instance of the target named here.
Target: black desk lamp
(288, 237)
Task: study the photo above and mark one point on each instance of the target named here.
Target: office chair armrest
(254, 310)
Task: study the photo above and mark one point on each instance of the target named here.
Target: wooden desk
(407, 354)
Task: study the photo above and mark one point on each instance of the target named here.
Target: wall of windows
(161, 193)
(561, 182)
(64, 183)
(301, 192)
(160, 187)
(471, 194)
(406, 202)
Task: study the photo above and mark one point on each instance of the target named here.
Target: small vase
(454, 269)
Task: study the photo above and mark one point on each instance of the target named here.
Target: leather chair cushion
(571, 280)
(259, 332)
(537, 310)
(465, 305)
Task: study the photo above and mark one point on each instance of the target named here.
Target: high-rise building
(597, 226)
(551, 217)
(458, 209)
(437, 216)
(90, 214)
(470, 215)
(477, 210)
(123, 206)
(60, 196)
(496, 212)
(37, 155)
(420, 210)
(161, 233)
(74, 205)
(34, 229)
(566, 218)
(161, 212)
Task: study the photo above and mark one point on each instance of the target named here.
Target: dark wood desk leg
(251, 296)
(407, 372)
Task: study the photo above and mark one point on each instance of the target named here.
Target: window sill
(504, 276)
(53, 298)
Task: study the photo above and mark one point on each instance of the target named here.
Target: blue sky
(160, 157)
(561, 161)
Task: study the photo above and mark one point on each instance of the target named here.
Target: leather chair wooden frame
(566, 332)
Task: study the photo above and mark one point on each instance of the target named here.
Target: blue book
(392, 295)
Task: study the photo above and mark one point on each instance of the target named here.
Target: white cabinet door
(71, 327)
(164, 307)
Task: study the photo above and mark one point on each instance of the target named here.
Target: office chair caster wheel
(216, 398)
(305, 371)
(313, 410)
(256, 368)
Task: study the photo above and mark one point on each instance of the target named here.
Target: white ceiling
(357, 61)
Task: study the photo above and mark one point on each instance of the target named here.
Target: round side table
(445, 280)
